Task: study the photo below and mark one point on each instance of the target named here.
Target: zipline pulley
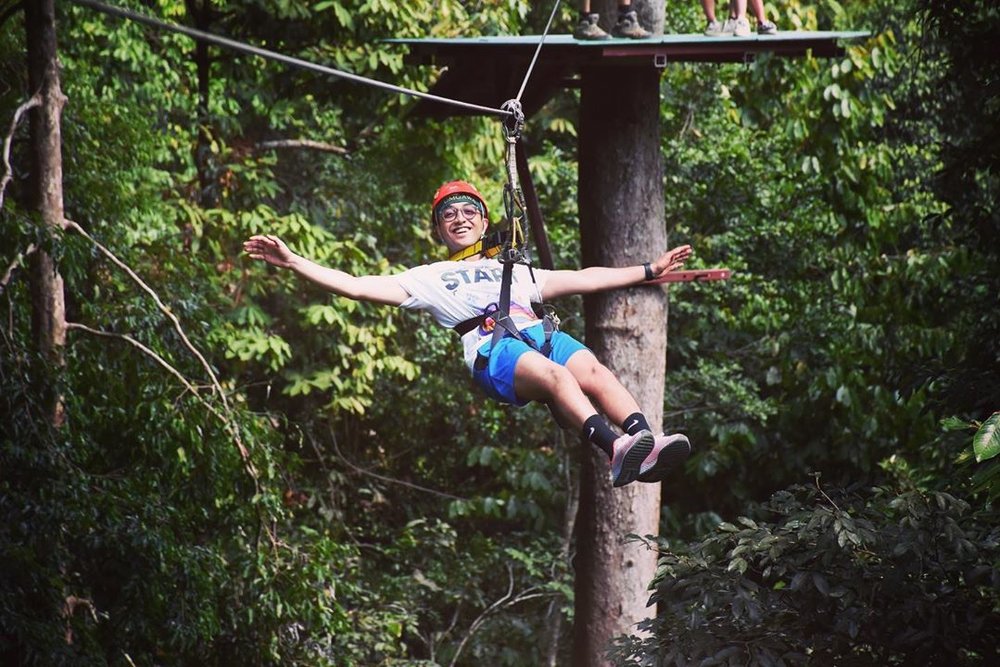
(513, 199)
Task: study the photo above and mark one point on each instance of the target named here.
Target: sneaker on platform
(587, 28)
(628, 26)
(766, 28)
(742, 28)
(713, 29)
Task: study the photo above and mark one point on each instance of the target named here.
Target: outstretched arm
(600, 278)
(378, 289)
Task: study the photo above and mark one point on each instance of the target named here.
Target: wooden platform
(489, 70)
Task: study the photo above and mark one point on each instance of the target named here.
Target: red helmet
(457, 188)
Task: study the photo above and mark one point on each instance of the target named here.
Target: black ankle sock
(634, 423)
(597, 431)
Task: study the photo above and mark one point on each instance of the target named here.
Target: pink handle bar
(696, 275)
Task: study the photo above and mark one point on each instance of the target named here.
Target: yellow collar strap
(475, 249)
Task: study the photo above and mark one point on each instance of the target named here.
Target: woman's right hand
(271, 249)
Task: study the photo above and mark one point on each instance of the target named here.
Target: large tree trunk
(47, 297)
(621, 217)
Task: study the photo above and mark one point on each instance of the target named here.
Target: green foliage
(138, 533)
(966, 181)
(986, 442)
(809, 178)
(889, 575)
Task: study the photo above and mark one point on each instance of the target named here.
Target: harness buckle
(510, 255)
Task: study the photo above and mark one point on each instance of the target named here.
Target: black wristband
(649, 270)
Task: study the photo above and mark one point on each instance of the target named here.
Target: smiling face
(460, 224)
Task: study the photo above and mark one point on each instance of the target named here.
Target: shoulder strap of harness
(489, 246)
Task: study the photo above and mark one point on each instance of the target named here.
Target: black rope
(264, 53)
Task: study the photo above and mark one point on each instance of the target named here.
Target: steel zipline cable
(538, 49)
(289, 60)
(511, 112)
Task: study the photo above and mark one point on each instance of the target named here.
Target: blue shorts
(494, 368)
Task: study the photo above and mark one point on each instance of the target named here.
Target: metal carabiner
(513, 121)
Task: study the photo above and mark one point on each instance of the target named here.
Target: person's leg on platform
(714, 26)
(586, 27)
(764, 27)
(628, 22)
(738, 10)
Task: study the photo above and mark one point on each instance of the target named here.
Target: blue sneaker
(669, 451)
(629, 453)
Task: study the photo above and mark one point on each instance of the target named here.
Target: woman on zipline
(464, 294)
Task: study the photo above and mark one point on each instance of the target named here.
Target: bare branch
(226, 419)
(32, 102)
(482, 616)
(157, 358)
(164, 309)
(302, 143)
(227, 423)
(390, 480)
(819, 488)
(508, 600)
(14, 266)
(69, 608)
(572, 478)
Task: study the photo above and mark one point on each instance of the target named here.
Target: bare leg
(708, 6)
(738, 9)
(585, 6)
(757, 7)
(537, 378)
(601, 385)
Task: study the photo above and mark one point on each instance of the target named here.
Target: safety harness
(508, 246)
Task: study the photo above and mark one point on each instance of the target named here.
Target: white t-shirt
(454, 292)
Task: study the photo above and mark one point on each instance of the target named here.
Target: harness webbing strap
(503, 325)
(550, 323)
(489, 246)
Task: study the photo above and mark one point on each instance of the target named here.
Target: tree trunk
(208, 192)
(47, 297)
(621, 217)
